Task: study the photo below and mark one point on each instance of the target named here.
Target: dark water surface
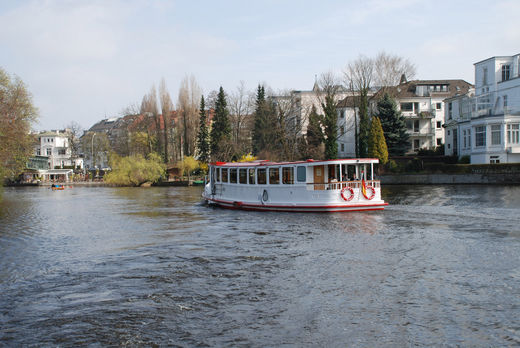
(144, 267)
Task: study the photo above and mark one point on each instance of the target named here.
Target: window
(494, 159)
(505, 101)
(480, 136)
(224, 175)
(274, 176)
(496, 134)
(262, 178)
(301, 174)
(505, 72)
(342, 147)
(38, 152)
(342, 130)
(484, 75)
(439, 141)
(406, 106)
(439, 124)
(288, 175)
(218, 170)
(233, 175)
(450, 110)
(449, 132)
(416, 144)
(416, 126)
(444, 88)
(61, 152)
(242, 176)
(513, 133)
(438, 106)
(49, 152)
(464, 138)
(251, 176)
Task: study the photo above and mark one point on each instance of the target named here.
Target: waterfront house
(485, 124)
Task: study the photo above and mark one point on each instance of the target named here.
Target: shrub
(135, 170)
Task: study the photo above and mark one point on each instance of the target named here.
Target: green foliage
(364, 124)
(188, 165)
(394, 126)
(465, 159)
(203, 136)
(135, 170)
(330, 124)
(247, 158)
(221, 129)
(266, 135)
(376, 142)
(17, 113)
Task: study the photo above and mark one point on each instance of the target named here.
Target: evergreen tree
(315, 135)
(364, 125)
(266, 128)
(394, 126)
(221, 129)
(376, 142)
(202, 138)
(330, 124)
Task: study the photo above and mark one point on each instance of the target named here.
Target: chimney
(403, 79)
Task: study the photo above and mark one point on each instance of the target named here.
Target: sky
(84, 61)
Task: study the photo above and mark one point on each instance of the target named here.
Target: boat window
(262, 179)
(224, 174)
(242, 175)
(274, 176)
(233, 175)
(251, 176)
(288, 175)
(301, 173)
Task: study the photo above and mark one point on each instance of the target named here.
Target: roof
(349, 102)
(309, 161)
(495, 57)
(408, 89)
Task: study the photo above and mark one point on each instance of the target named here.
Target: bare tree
(166, 109)
(388, 69)
(241, 104)
(188, 107)
(150, 112)
(74, 132)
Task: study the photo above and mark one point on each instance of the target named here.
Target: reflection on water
(127, 266)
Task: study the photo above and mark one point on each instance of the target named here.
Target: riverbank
(450, 179)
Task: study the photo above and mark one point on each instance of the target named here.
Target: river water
(155, 267)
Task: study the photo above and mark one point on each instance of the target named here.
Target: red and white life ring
(369, 197)
(349, 197)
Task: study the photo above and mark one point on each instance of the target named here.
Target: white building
(55, 146)
(348, 121)
(422, 104)
(486, 125)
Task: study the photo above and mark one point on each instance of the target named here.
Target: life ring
(371, 195)
(350, 197)
(265, 196)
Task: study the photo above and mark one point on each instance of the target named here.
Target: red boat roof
(310, 162)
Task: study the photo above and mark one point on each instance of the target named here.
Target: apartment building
(486, 125)
(55, 146)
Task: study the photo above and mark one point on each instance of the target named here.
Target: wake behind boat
(303, 186)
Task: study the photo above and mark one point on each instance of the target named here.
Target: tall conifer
(394, 126)
(221, 130)
(203, 136)
(376, 142)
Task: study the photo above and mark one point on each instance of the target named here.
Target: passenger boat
(303, 186)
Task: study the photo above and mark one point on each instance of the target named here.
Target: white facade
(488, 127)
(55, 146)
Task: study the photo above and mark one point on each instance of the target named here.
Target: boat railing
(339, 185)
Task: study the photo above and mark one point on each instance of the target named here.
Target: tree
(388, 69)
(188, 107)
(135, 170)
(220, 136)
(358, 76)
(266, 135)
(74, 132)
(394, 126)
(17, 113)
(376, 143)
(151, 119)
(188, 165)
(203, 136)
(315, 135)
(240, 109)
(166, 109)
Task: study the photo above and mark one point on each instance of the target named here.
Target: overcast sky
(85, 61)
